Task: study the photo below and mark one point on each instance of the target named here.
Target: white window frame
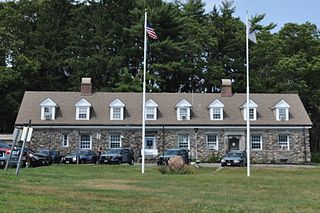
(183, 110)
(216, 110)
(212, 144)
(65, 140)
(252, 111)
(283, 144)
(256, 140)
(284, 107)
(115, 106)
(83, 108)
(115, 141)
(183, 141)
(49, 105)
(85, 144)
(150, 113)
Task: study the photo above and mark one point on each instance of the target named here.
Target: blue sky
(277, 11)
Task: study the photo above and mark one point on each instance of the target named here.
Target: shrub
(213, 158)
(315, 157)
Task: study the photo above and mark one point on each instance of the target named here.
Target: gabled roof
(281, 104)
(252, 104)
(48, 103)
(183, 103)
(83, 103)
(167, 102)
(216, 103)
(117, 103)
(151, 103)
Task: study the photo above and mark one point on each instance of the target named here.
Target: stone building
(207, 124)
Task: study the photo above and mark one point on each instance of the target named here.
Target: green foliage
(185, 170)
(213, 158)
(315, 157)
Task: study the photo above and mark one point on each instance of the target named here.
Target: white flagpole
(144, 91)
(248, 99)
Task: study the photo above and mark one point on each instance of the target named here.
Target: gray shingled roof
(30, 109)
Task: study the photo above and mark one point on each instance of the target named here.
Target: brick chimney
(86, 87)
(226, 88)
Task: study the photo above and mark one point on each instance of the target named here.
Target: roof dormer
(183, 110)
(281, 110)
(83, 109)
(151, 110)
(252, 110)
(216, 110)
(117, 110)
(48, 109)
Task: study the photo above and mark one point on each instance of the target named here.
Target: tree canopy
(51, 45)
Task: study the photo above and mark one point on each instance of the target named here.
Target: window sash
(150, 113)
(116, 113)
(183, 113)
(65, 140)
(256, 142)
(85, 142)
(183, 141)
(115, 141)
(283, 141)
(82, 112)
(212, 141)
(282, 114)
(216, 113)
(251, 113)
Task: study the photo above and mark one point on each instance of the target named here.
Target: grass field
(114, 188)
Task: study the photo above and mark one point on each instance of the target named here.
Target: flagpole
(248, 99)
(144, 91)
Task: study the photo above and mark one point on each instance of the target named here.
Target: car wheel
(222, 165)
(119, 161)
(83, 161)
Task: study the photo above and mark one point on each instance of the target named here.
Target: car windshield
(78, 153)
(234, 154)
(114, 151)
(171, 152)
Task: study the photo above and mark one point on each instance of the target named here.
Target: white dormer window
(252, 110)
(48, 109)
(281, 111)
(183, 110)
(151, 110)
(83, 109)
(216, 110)
(117, 110)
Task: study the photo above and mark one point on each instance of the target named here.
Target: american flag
(152, 34)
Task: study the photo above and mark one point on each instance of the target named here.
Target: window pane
(256, 142)
(183, 141)
(183, 113)
(212, 142)
(65, 142)
(251, 113)
(82, 112)
(115, 141)
(116, 113)
(85, 142)
(283, 141)
(216, 113)
(150, 113)
(282, 113)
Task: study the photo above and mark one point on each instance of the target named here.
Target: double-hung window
(65, 140)
(183, 141)
(117, 110)
(283, 141)
(48, 109)
(83, 109)
(256, 142)
(85, 141)
(116, 114)
(115, 141)
(212, 141)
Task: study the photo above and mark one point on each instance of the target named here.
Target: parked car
(5, 147)
(54, 155)
(234, 158)
(30, 158)
(80, 156)
(169, 153)
(118, 155)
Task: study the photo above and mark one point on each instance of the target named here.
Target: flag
(252, 35)
(151, 33)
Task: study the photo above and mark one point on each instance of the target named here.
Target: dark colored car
(118, 155)
(169, 153)
(234, 158)
(54, 155)
(80, 156)
(30, 158)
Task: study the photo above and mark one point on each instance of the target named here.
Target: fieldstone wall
(168, 138)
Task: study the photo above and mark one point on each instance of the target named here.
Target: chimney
(226, 88)
(86, 87)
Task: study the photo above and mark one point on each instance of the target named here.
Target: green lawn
(114, 188)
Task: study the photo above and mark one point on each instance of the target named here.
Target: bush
(315, 157)
(185, 170)
(214, 158)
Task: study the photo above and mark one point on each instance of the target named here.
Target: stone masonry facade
(298, 152)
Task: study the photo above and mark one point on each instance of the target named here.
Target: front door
(233, 143)
(150, 146)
